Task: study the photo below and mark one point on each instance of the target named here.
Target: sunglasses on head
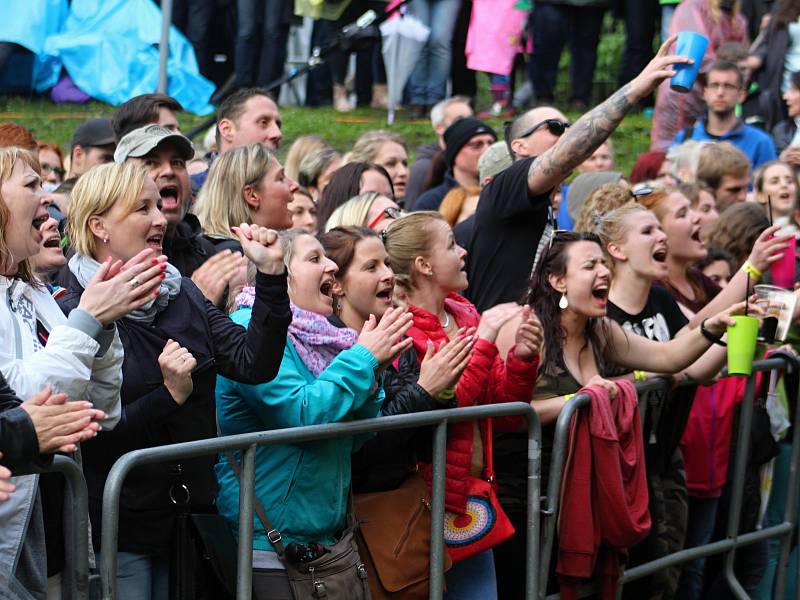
(555, 126)
(390, 212)
(640, 192)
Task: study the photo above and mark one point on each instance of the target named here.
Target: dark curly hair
(543, 298)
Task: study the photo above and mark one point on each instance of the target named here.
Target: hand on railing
(61, 425)
(384, 339)
(441, 368)
(6, 487)
(609, 385)
(529, 337)
(176, 364)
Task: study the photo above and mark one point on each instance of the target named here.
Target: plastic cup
(778, 305)
(693, 45)
(783, 270)
(742, 345)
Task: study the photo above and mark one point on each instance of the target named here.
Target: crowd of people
(156, 295)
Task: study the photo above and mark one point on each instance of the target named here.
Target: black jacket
(18, 442)
(150, 417)
(187, 248)
(384, 461)
(782, 134)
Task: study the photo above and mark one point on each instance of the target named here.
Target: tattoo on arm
(579, 142)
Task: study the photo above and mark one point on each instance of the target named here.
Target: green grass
(55, 123)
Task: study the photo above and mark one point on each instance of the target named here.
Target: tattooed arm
(592, 129)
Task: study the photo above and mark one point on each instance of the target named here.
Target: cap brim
(183, 145)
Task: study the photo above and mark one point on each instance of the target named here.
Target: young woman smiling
(364, 286)
(776, 185)
(79, 357)
(569, 294)
(429, 266)
(328, 374)
(175, 345)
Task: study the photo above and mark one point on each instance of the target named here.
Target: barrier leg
(789, 516)
(534, 479)
(437, 512)
(244, 567)
(76, 570)
(742, 452)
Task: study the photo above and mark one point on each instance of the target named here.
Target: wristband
(569, 397)
(447, 394)
(639, 376)
(751, 270)
(714, 339)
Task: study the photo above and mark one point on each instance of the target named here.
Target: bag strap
(273, 535)
(488, 453)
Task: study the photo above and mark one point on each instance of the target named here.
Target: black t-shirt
(661, 318)
(508, 225)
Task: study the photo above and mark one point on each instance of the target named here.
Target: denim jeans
(428, 82)
(193, 18)
(472, 579)
(140, 576)
(261, 34)
(553, 25)
(699, 530)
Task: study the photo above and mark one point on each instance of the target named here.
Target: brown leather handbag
(395, 538)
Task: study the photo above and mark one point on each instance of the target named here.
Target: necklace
(446, 323)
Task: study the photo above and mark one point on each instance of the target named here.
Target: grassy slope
(56, 123)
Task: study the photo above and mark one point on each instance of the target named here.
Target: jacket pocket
(294, 476)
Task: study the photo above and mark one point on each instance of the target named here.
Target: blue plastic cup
(692, 45)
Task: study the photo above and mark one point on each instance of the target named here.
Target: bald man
(514, 208)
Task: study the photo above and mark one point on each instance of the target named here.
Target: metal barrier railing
(76, 551)
(734, 539)
(248, 443)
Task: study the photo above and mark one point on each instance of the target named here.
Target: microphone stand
(363, 30)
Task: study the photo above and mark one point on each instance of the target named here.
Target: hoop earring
(563, 303)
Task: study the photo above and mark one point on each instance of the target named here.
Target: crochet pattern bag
(484, 524)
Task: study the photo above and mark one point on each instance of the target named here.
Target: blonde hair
(300, 148)
(453, 202)
(407, 238)
(221, 202)
(353, 212)
(369, 145)
(97, 192)
(657, 201)
(8, 158)
(602, 200)
(611, 228)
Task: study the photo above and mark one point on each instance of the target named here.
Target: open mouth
(54, 241)
(326, 289)
(660, 255)
(169, 197)
(39, 221)
(600, 292)
(696, 236)
(385, 294)
(156, 240)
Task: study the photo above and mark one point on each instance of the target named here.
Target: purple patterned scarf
(316, 340)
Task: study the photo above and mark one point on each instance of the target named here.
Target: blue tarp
(108, 47)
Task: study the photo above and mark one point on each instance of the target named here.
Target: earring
(105, 240)
(563, 303)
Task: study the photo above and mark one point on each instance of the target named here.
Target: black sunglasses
(555, 126)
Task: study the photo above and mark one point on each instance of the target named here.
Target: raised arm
(592, 129)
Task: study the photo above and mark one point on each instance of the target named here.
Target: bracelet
(639, 376)
(714, 339)
(751, 270)
(447, 394)
(569, 397)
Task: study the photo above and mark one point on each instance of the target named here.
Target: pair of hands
(60, 426)
(529, 335)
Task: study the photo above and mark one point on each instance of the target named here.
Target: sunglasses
(390, 212)
(555, 126)
(640, 192)
(47, 169)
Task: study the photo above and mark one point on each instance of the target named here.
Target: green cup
(742, 345)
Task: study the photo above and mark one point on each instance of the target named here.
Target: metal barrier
(76, 563)
(250, 441)
(733, 540)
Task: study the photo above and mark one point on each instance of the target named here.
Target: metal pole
(77, 559)
(163, 45)
(534, 507)
(437, 512)
(244, 569)
(109, 534)
(742, 451)
(789, 515)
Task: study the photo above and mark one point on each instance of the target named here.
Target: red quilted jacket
(486, 380)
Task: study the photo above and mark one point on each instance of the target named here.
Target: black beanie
(461, 132)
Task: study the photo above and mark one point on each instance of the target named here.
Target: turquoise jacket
(303, 487)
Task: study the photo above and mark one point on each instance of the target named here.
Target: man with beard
(164, 154)
(724, 89)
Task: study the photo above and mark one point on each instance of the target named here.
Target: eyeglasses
(727, 87)
(390, 212)
(47, 169)
(555, 126)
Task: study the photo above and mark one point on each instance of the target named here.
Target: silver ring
(134, 282)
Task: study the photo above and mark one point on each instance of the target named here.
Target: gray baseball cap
(494, 160)
(140, 142)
